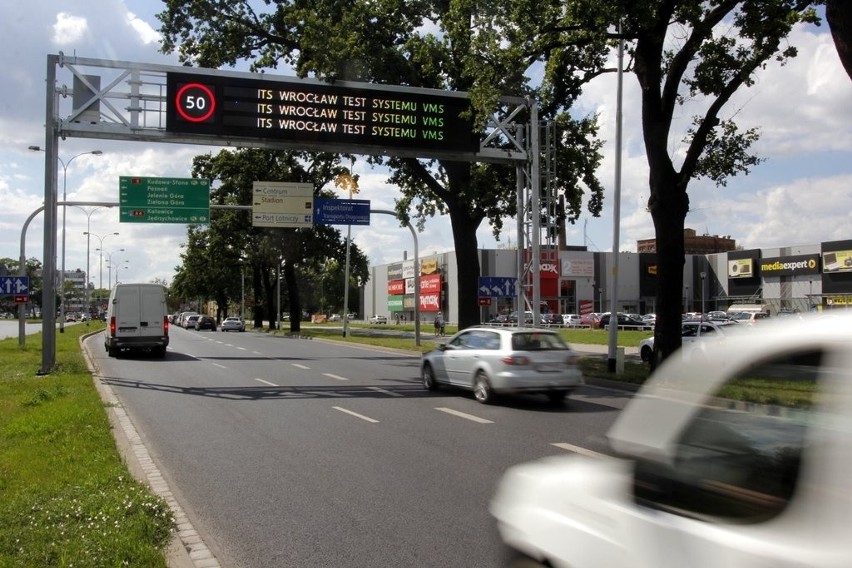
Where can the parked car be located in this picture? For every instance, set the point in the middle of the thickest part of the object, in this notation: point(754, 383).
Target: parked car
point(699, 480)
point(181, 320)
point(491, 361)
point(591, 320)
point(378, 319)
point(205, 322)
point(528, 317)
point(749, 318)
point(625, 321)
point(571, 320)
point(335, 317)
point(500, 319)
point(233, 323)
point(189, 321)
point(692, 336)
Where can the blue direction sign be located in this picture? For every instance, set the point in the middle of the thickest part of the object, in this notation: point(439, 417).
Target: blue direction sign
point(329, 211)
point(14, 285)
point(497, 286)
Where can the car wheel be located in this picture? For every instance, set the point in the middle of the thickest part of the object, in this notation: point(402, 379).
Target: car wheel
point(429, 380)
point(112, 351)
point(647, 354)
point(482, 388)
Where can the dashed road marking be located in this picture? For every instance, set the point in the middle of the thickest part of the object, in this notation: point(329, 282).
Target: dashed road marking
point(300, 366)
point(266, 382)
point(356, 415)
point(465, 415)
point(384, 391)
point(336, 377)
point(220, 366)
point(578, 450)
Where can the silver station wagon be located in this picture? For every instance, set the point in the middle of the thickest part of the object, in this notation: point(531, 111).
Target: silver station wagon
point(492, 361)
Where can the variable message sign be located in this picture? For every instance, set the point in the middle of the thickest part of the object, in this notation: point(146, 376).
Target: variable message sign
point(163, 200)
point(303, 110)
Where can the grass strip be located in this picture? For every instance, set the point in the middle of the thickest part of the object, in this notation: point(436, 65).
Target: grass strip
point(66, 497)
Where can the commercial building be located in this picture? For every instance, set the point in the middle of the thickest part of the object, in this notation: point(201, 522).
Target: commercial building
point(795, 278)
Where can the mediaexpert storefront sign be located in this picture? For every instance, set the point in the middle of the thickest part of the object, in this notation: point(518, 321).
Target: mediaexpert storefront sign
point(790, 265)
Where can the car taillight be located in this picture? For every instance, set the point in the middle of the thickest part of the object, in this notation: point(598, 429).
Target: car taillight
point(112, 326)
point(166, 325)
point(516, 360)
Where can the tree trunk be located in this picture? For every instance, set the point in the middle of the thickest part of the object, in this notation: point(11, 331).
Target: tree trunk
point(668, 204)
point(293, 297)
point(464, 222)
point(257, 286)
point(838, 13)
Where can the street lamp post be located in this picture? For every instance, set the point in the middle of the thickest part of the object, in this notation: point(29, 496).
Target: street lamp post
point(124, 265)
point(100, 238)
point(109, 266)
point(65, 165)
point(703, 276)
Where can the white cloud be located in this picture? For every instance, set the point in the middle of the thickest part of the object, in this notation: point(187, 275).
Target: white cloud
point(69, 29)
point(147, 34)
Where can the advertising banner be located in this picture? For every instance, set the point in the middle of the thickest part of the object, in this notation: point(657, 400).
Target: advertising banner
point(837, 261)
point(741, 268)
point(790, 265)
point(396, 287)
point(430, 302)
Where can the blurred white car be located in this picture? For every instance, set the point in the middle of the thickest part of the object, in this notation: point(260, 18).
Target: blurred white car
point(378, 319)
point(703, 481)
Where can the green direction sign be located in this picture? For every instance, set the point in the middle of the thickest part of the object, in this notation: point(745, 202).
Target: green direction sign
point(163, 200)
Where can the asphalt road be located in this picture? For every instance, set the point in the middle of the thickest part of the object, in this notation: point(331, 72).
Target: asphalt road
point(291, 452)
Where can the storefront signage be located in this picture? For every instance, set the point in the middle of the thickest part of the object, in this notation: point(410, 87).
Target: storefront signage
point(837, 261)
point(790, 265)
point(741, 268)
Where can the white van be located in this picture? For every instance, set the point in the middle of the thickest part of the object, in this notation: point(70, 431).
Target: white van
point(137, 318)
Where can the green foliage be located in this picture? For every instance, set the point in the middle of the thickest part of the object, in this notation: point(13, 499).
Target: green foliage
point(452, 46)
point(66, 497)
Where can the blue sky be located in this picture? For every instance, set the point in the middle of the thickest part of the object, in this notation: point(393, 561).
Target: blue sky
point(801, 194)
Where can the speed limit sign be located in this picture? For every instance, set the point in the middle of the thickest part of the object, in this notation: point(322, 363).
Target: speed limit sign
point(195, 102)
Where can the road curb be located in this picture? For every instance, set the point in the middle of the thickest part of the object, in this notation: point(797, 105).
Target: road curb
point(186, 549)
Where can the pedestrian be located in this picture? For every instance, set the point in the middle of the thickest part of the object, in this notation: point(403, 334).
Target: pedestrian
point(437, 325)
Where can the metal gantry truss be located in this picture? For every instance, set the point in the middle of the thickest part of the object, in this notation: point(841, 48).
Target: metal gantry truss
point(122, 100)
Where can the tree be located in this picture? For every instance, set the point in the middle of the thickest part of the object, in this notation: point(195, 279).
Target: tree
point(420, 44)
point(688, 56)
point(838, 13)
point(217, 254)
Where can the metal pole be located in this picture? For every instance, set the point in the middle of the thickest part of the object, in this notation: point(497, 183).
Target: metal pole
point(62, 273)
point(51, 141)
point(416, 280)
point(616, 214)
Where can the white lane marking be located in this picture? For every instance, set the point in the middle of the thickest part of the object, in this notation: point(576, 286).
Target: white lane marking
point(356, 415)
point(229, 345)
point(383, 391)
point(578, 450)
point(257, 353)
point(337, 377)
point(266, 382)
point(300, 366)
point(465, 416)
point(329, 393)
point(220, 366)
point(241, 348)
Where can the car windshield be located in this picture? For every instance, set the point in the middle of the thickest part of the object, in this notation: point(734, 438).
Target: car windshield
point(537, 341)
